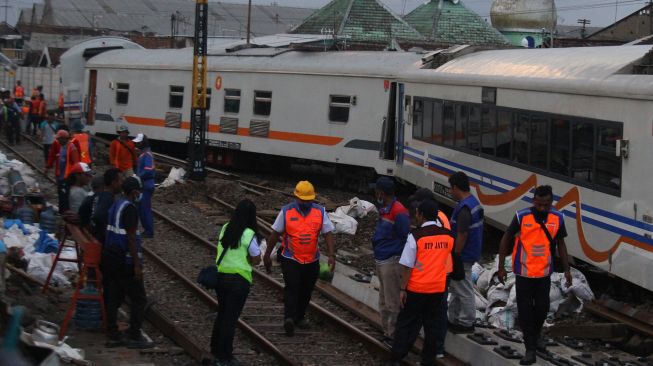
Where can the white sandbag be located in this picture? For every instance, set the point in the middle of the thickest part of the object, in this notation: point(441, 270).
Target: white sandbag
point(485, 280)
point(344, 224)
point(480, 302)
point(176, 176)
point(498, 294)
point(579, 286)
point(14, 238)
point(502, 318)
point(477, 270)
point(39, 267)
point(357, 208)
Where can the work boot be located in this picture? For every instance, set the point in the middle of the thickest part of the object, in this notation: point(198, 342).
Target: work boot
point(139, 342)
point(459, 328)
point(541, 345)
point(529, 358)
point(289, 327)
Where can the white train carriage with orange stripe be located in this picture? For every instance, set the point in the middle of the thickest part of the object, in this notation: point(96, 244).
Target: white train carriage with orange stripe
point(578, 119)
point(322, 107)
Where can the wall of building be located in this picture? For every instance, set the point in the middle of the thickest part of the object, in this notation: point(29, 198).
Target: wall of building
point(39, 40)
point(33, 76)
point(632, 28)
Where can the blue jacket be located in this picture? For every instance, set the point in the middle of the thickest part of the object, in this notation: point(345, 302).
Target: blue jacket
point(145, 169)
point(472, 251)
point(391, 231)
point(117, 234)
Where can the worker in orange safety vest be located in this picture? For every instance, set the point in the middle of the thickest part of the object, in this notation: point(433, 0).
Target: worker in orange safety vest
point(298, 225)
point(424, 261)
point(83, 141)
point(537, 234)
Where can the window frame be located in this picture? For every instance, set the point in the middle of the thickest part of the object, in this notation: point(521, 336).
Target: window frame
point(258, 99)
point(172, 93)
point(515, 113)
point(333, 104)
point(232, 97)
point(120, 90)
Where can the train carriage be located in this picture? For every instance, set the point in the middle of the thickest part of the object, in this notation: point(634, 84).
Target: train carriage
point(579, 120)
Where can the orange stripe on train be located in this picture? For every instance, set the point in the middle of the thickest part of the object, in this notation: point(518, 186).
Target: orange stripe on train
point(273, 135)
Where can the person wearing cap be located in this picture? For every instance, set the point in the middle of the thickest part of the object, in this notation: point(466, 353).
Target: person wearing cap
point(83, 141)
point(80, 176)
point(388, 241)
point(122, 152)
point(48, 130)
point(63, 156)
point(423, 283)
point(467, 227)
point(86, 208)
point(122, 267)
point(299, 225)
point(145, 171)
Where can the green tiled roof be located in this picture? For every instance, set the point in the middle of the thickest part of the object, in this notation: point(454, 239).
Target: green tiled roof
point(362, 20)
point(454, 24)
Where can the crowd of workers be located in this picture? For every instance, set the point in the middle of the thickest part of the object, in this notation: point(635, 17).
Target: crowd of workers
point(422, 256)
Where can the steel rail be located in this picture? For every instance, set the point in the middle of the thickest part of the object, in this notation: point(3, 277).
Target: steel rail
point(628, 321)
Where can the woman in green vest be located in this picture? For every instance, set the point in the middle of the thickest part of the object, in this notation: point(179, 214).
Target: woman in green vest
point(238, 250)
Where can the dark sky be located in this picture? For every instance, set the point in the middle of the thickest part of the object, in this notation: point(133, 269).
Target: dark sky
point(599, 12)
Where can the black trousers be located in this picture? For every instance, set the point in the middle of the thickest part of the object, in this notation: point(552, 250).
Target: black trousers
point(119, 282)
point(232, 293)
point(13, 131)
point(532, 307)
point(299, 282)
point(62, 193)
point(421, 310)
point(46, 151)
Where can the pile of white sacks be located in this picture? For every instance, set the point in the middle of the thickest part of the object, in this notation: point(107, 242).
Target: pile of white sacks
point(496, 303)
point(25, 171)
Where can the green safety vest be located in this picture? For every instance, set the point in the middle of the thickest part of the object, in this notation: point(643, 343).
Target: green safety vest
point(235, 260)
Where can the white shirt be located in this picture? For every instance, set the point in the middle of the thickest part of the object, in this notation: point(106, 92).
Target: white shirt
point(254, 249)
point(409, 255)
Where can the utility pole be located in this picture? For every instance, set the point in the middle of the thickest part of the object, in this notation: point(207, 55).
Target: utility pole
point(6, 8)
point(583, 22)
point(249, 20)
point(198, 122)
point(553, 21)
point(650, 17)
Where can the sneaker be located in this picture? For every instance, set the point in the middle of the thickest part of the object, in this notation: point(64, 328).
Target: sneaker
point(529, 358)
point(303, 324)
point(439, 355)
point(459, 328)
point(139, 342)
point(289, 327)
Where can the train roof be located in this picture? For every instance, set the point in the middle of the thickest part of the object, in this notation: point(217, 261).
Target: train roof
point(602, 71)
point(280, 60)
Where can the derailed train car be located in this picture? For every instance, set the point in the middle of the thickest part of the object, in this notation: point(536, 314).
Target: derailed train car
point(577, 119)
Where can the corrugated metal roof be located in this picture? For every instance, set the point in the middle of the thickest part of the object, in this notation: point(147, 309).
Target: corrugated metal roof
point(364, 63)
point(361, 20)
point(453, 23)
point(155, 16)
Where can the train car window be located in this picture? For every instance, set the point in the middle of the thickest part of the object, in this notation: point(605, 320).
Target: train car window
point(560, 144)
point(488, 130)
point(474, 128)
point(122, 93)
point(176, 99)
point(449, 124)
point(436, 134)
point(582, 151)
point(539, 141)
point(462, 113)
point(339, 108)
point(418, 108)
point(521, 135)
point(427, 127)
point(608, 164)
point(262, 103)
point(232, 101)
point(504, 133)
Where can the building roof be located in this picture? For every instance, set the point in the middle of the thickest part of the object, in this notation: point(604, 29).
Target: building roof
point(360, 21)
point(453, 23)
point(606, 31)
point(154, 16)
point(8, 30)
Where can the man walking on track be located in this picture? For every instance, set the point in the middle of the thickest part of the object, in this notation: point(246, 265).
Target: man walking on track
point(424, 260)
point(122, 152)
point(299, 224)
point(63, 156)
point(538, 233)
point(145, 171)
point(83, 141)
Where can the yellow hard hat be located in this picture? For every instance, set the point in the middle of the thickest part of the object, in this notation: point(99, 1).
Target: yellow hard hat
point(304, 191)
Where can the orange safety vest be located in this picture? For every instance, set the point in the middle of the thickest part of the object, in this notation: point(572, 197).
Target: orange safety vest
point(447, 225)
point(60, 103)
point(301, 232)
point(36, 105)
point(82, 140)
point(434, 246)
point(531, 256)
point(72, 158)
point(43, 108)
point(19, 92)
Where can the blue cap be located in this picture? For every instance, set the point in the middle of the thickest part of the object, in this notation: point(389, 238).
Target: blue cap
point(385, 184)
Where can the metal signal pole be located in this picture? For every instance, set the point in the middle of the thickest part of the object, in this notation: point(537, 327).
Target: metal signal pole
point(198, 123)
point(249, 20)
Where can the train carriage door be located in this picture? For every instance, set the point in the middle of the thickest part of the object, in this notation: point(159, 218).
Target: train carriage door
point(91, 97)
point(388, 136)
point(399, 107)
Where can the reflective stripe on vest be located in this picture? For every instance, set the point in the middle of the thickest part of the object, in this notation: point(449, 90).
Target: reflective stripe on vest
point(116, 232)
point(235, 260)
point(434, 246)
point(84, 151)
point(531, 255)
point(301, 233)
